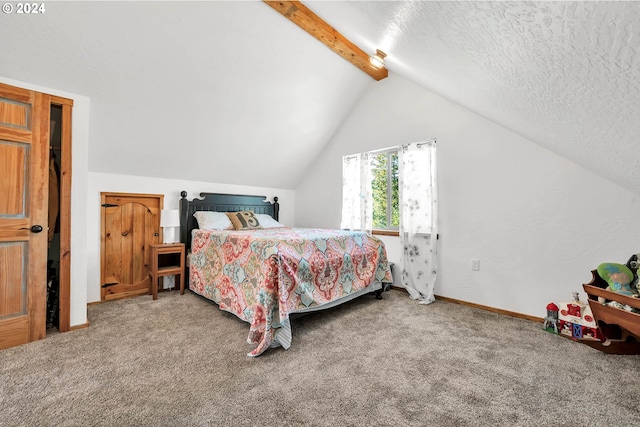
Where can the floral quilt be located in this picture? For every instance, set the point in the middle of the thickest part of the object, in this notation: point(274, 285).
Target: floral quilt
point(262, 276)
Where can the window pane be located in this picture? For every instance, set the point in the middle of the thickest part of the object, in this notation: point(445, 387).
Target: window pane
point(379, 190)
point(395, 198)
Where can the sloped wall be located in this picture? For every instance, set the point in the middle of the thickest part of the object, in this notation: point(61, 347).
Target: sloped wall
point(537, 222)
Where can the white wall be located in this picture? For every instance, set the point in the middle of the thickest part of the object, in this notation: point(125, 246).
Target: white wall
point(79, 159)
point(103, 182)
point(537, 222)
point(85, 202)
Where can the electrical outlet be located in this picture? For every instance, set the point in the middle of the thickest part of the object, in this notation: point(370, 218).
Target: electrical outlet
point(475, 264)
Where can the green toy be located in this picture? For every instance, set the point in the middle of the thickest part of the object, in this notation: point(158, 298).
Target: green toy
point(617, 276)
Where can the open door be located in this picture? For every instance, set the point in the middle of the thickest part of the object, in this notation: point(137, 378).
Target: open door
point(24, 156)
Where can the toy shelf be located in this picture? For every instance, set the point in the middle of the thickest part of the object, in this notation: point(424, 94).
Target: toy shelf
point(621, 328)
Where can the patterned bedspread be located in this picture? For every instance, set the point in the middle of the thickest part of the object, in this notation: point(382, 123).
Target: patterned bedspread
point(262, 276)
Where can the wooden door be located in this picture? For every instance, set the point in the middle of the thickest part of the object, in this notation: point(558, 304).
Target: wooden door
point(130, 223)
point(24, 157)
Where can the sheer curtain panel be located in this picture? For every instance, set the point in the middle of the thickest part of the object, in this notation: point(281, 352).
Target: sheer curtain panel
point(418, 218)
point(356, 192)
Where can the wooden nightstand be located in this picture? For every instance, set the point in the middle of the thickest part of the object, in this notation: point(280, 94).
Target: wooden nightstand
point(166, 259)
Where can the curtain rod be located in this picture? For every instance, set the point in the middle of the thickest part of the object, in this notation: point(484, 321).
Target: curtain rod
point(430, 141)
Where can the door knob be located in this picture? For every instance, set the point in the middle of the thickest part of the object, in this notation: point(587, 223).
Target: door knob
point(34, 229)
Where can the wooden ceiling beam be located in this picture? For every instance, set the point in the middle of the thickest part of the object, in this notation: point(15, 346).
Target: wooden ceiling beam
point(306, 19)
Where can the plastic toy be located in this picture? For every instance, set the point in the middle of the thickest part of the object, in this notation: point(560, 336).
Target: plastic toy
point(576, 321)
point(551, 321)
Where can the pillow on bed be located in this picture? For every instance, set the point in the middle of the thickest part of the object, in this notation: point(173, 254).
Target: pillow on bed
point(266, 221)
point(213, 220)
point(245, 220)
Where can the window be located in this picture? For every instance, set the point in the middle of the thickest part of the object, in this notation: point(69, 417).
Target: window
point(384, 190)
point(394, 192)
point(370, 196)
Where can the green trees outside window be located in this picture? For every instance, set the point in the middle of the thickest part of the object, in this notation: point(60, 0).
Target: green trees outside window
point(386, 209)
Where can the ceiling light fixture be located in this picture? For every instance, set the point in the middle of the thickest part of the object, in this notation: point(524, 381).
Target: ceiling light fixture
point(377, 60)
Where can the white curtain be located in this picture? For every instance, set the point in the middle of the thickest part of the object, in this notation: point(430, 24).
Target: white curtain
point(357, 211)
point(418, 218)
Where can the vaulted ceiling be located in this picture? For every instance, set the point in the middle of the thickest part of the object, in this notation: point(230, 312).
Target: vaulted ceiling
point(233, 92)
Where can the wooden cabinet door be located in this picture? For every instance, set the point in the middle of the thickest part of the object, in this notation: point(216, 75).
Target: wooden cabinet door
point(24, 156)
point(130, 223)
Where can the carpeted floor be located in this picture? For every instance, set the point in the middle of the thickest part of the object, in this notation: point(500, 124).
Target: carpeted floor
point(179, 361)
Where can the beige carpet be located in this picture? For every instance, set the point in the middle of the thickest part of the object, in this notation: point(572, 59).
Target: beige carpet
point(179, 361)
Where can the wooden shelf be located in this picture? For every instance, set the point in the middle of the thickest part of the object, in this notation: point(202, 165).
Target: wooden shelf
point(172, 269)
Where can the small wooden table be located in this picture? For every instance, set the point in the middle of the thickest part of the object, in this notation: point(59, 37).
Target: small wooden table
point(166, 259)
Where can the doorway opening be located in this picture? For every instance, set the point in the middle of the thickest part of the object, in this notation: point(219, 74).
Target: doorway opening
point(59, 218)
point(53, 237)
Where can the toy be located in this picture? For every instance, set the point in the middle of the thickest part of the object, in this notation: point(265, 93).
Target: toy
point(576, 321)
point(618, 277)
point(551, 321)
point(633, 264)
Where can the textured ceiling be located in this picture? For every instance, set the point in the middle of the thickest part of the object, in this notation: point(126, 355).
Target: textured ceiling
point(564, 74)
point(257, 98)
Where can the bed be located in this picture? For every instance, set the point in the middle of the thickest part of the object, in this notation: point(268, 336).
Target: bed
point(267, 272)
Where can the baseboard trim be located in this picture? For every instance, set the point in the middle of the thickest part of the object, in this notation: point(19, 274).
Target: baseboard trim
point(483, 307)
point(80, 326)
point(492, 309)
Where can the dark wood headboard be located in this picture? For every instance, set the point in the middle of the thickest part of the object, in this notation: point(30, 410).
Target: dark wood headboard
point(218, 202)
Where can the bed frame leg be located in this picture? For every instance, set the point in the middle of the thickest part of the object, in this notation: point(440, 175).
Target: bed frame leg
point(379, 293)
